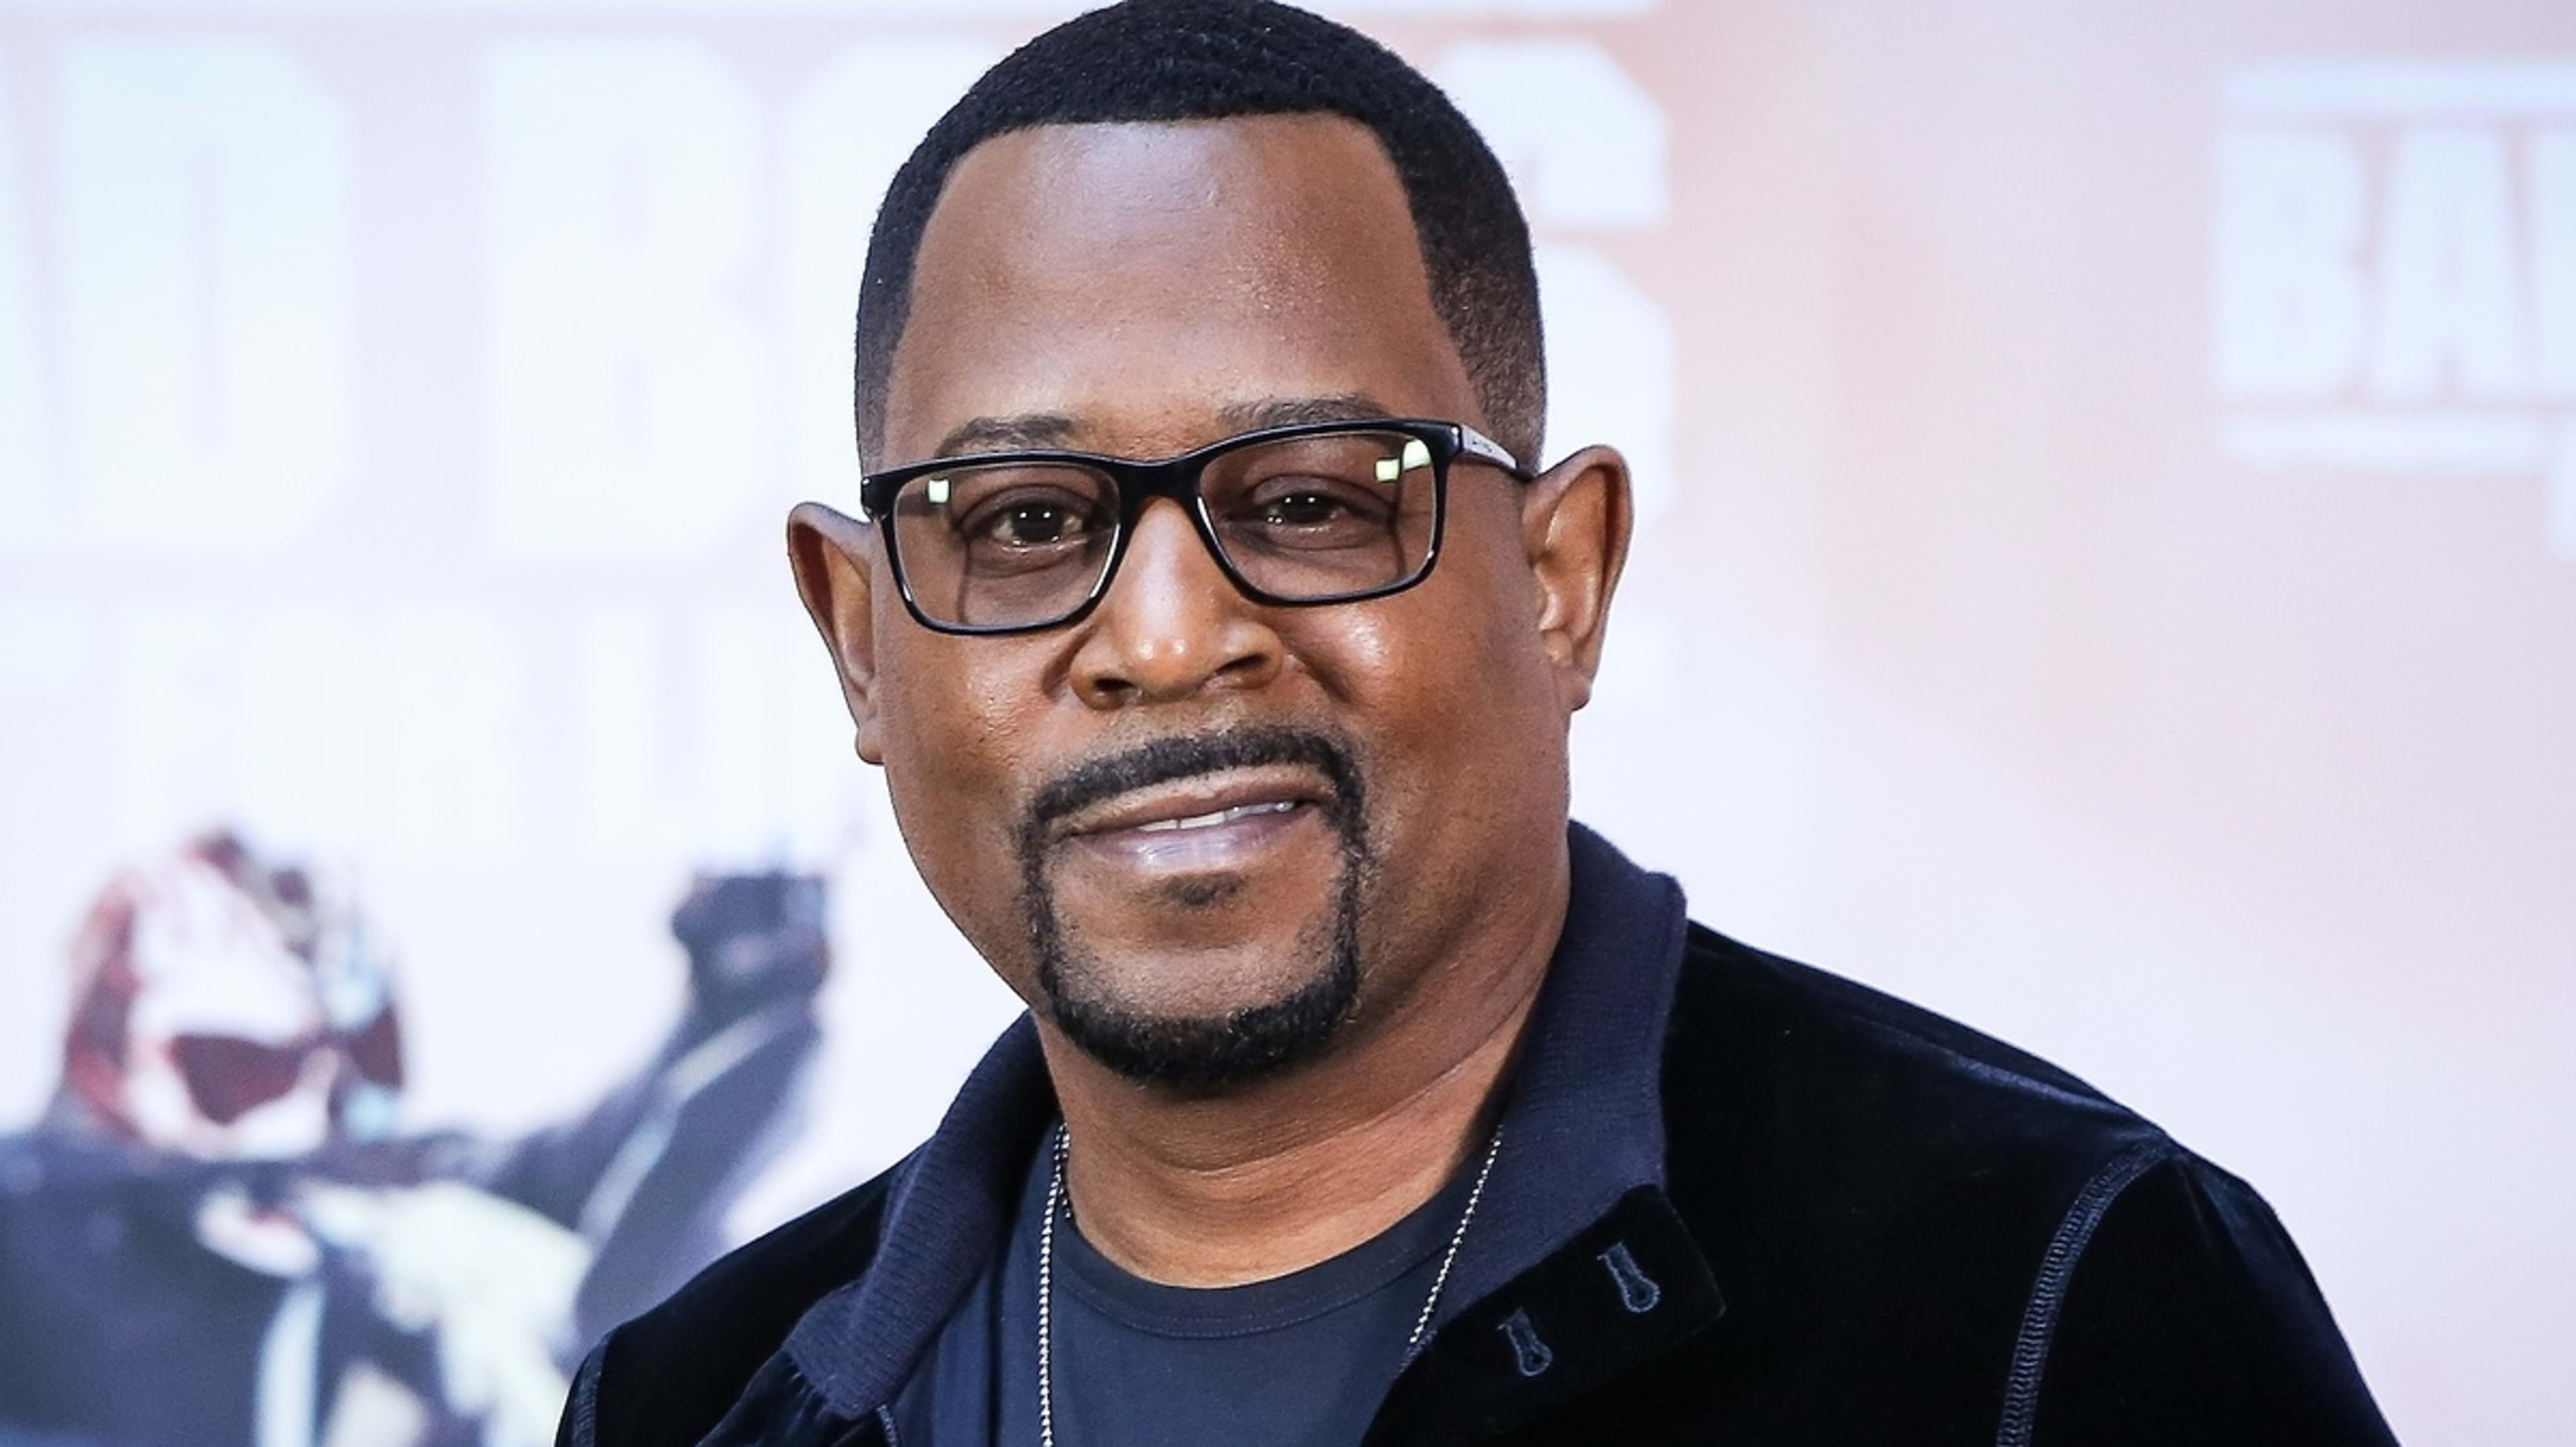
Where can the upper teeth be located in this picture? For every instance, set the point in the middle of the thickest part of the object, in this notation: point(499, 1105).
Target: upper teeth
point(1221, 816)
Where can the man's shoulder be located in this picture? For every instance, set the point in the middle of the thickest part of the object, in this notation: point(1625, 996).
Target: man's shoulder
point(670, 1374)
point(1811, 1119)
point(1748, 1020)
point(1893, 1199)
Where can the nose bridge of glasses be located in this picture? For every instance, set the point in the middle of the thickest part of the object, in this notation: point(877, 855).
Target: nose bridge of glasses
point(1173, 480)
point(1170, 618)
point(1165, 527)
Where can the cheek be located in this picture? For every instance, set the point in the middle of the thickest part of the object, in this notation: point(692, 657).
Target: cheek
point(1446, 685)
point(1424, 680)
point(957, 733)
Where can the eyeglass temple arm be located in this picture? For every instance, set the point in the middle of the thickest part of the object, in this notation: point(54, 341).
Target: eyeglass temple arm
point(1477, 445)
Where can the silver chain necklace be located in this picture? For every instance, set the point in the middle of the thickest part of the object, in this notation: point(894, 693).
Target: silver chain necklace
point(1046, 1276)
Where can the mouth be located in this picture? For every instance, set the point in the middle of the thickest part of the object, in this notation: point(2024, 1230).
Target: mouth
point(1207, 821)
point(1215, 817)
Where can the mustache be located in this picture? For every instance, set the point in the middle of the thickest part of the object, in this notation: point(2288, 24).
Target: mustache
point(1161, 761)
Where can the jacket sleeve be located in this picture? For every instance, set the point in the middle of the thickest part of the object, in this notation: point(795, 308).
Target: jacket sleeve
point(2187, 1316)
point(668, 1377)
point(580, 1424)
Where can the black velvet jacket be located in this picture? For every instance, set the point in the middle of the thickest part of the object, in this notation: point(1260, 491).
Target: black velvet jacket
point(1815, 1215)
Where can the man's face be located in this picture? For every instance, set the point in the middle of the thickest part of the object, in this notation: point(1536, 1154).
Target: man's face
point(1204, 837)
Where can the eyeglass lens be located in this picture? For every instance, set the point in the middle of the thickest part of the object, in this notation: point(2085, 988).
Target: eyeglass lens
point(1301, 519)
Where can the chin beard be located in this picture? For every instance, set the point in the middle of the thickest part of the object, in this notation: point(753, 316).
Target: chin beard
point(1201, 1054)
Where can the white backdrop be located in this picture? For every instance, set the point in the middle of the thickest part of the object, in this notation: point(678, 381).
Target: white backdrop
point(2108, 560)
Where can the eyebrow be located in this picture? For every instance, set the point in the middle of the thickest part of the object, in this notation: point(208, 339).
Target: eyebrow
point(1028, 430)
point(1006, 434)
point(1289, 411)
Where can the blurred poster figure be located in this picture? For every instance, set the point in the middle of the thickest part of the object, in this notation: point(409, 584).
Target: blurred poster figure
point(213, 1236)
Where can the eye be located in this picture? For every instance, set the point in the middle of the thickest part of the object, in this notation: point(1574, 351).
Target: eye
point(1028, 519)
point(1310, 506)
point(1309, 511)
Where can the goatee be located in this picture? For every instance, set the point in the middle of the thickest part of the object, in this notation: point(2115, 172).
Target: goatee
point(1207, 1054)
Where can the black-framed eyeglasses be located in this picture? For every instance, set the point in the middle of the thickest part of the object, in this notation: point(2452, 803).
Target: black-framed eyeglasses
point(1315, 512)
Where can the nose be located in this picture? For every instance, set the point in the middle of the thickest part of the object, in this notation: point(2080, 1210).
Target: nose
point(1173, 625)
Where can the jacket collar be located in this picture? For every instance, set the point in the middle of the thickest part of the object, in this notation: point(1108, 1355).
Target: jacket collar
point(1584, 1123)
point(1583, 1131)
point(947, 1211)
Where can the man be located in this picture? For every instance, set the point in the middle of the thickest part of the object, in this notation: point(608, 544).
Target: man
point(215, 1236)
point(1218, 634)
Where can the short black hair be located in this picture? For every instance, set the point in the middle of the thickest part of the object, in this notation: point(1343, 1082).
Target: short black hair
point(1173, 60)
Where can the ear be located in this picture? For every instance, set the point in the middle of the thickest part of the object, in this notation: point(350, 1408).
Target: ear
point(834, 557)
point(1575, 521)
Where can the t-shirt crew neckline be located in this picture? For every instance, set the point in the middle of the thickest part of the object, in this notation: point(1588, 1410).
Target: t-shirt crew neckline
point(1206, 1313)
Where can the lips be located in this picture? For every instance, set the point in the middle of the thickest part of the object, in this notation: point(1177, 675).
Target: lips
point(1226, 806)
point(1201, 801)
point(1211, 821)
point(1216, 817)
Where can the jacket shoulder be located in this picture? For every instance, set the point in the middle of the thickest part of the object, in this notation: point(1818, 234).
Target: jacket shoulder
point(1872, 1064)
point(668, 1376)
point(2183, 1313)
point(1764, 990)
point(1875, 1187)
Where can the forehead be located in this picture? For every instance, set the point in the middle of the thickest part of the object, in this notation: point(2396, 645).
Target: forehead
point(1142, 281)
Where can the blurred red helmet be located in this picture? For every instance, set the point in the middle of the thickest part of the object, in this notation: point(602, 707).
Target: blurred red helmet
point(227, 1008)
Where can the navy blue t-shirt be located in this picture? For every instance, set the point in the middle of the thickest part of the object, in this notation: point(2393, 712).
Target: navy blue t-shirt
point(1300, 1360)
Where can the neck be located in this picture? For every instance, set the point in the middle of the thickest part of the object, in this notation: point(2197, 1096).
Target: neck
point(1255, 1184)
